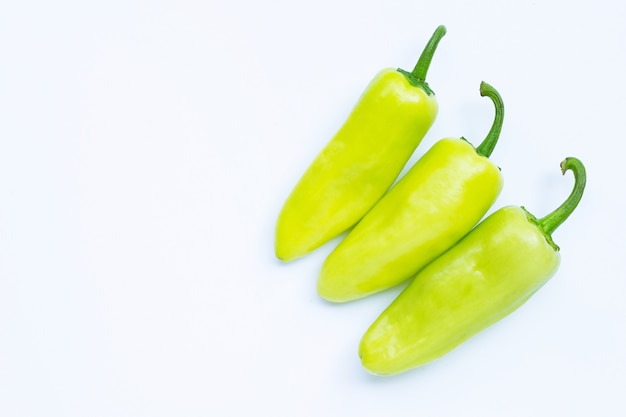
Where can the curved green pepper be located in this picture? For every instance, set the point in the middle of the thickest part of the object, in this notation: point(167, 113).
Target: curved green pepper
point(485, 277)
point(362, 160)
point(431, 208)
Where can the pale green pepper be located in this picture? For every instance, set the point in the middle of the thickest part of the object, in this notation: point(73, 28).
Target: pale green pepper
point(486, 276)
point(362, 160)
point(431, 208)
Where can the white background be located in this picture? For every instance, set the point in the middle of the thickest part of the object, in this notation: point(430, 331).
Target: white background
point(146, 148)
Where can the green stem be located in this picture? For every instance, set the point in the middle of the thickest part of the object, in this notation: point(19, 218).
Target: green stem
point(417, 77)
point(553, 220)
point(423, 63)
point(489, 143)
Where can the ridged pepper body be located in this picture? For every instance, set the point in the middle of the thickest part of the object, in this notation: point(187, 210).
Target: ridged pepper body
point(482, 279)
point(357, 166)
point(431, 208)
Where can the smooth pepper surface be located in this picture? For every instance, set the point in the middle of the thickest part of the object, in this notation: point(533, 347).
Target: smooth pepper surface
point(438, 201)
point(479, 281)
point(361, 161)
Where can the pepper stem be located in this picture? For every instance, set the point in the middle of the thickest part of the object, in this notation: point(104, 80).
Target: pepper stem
point(423, 63)
point(489, 143)
point(553, 220)
point(417, 77)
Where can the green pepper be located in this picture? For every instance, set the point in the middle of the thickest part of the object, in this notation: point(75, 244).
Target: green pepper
point(482, 279)
point(362, 160)
point(438, 201)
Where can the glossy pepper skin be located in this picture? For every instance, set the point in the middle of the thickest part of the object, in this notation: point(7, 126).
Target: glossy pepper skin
point(486, 276)
point(438, 201)
point(361, 161)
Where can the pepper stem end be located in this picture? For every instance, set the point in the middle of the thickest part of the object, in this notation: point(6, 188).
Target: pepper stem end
point(423, 63)
point(417, 77)
point(552, 221)
point(489, 143)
